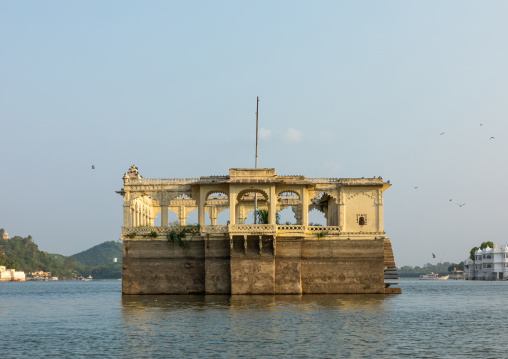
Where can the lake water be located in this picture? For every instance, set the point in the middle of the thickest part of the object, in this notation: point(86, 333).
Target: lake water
point(431, 319)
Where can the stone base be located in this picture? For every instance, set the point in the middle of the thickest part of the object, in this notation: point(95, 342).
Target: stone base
point(288, 266)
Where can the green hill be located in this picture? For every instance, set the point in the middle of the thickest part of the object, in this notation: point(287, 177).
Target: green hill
point(101, 254)
point(23, 254)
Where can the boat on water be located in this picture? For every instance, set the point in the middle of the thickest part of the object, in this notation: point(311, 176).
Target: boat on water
point(433, 276)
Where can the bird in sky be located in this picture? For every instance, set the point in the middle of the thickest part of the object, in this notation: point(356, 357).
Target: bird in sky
point(460, 205)
point(492, 138)
point(450, 199)
point(93, 167)
point(416, 187)
point(442, 133)
point(433, 255)
point(481, 124)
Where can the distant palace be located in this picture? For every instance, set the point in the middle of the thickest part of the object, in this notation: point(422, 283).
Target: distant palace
point(488, 264)
point(350, 254)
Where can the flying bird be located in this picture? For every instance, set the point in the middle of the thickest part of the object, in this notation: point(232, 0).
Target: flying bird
point(481, 124)
point(460, 205)
point(433, 255)
point(416, 187)
point(93, 167)
point(442, 133)
point(492, 138)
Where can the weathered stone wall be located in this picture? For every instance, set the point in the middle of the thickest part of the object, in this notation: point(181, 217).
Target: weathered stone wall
point(161, 267)
point(342, 266)
point(217, 268)
point(296, 266)
point(252, 266)
point(288, 266)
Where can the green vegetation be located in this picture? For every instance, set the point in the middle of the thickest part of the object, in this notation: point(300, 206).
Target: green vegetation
point(321, 234)
point(178, 234)
point(152, 234)
point(262, 216)
point(100, 254)
point(482, 246)
point(23, 254)
point(442, 268)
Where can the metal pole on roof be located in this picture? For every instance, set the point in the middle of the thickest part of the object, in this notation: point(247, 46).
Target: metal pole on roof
point(256, 163)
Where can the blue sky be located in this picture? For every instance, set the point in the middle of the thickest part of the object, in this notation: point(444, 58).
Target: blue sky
point(347, 89)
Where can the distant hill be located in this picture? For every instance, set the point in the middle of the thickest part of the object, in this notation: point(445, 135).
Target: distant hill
point(101, 254)
point(23, 254)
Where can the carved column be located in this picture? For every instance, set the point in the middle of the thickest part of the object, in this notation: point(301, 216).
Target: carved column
point(273, 206)
point(164, 215)
point(201, 208)
point(240, 214)
point(305, 206)
point(213, 215)
point(232, 206)
point(183, 216)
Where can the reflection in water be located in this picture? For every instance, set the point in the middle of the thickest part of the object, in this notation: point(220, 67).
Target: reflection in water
point(74, 319)
point(323, 325)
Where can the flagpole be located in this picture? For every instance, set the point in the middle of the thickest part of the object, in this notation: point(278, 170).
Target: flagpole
point(256, 163)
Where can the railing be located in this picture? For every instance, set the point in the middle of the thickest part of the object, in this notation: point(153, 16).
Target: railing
point(214, 229)
point(268, 229)
point(254, 229)
point(323, 229)
point(143, 231)
point(292, 229)
point(149, 181)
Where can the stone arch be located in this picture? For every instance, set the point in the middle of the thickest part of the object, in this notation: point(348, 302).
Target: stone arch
point(244, 207)
point(216, 201)
point(282, 191)
point(289, 206)
point(249, 190)
point(209, 193)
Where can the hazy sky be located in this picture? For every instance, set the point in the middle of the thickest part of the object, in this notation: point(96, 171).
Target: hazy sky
point(347, 89)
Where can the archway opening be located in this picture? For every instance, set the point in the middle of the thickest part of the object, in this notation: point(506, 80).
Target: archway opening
point(287, 216)
point(316, 218)
point(157, 220)
point(248, 200)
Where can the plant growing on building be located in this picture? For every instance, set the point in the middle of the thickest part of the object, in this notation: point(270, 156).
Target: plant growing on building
point(487, 244)
point(152, 234)
point(178, 234)
point(482, 246)
point(131, 235)
point(321, 234)
point(263, 217)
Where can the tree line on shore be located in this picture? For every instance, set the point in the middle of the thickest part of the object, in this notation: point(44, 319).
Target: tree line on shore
point(23, 254)
point(441, 268)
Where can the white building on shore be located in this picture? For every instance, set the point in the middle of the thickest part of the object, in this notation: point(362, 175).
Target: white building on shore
point(7, 275)
point(489, 264)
